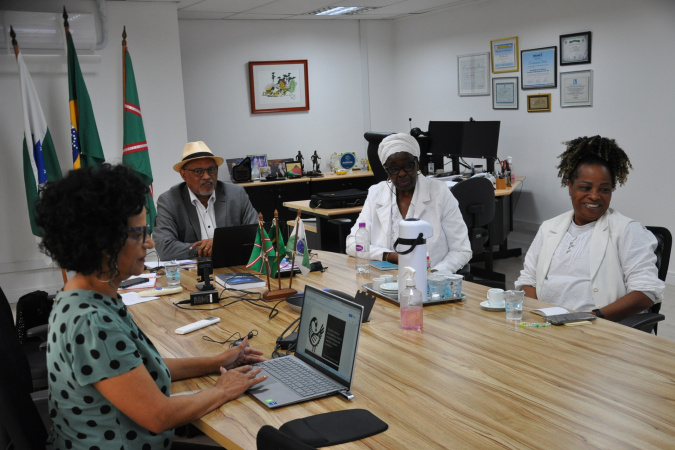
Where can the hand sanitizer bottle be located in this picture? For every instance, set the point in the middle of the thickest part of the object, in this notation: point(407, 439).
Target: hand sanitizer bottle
point(411, 303)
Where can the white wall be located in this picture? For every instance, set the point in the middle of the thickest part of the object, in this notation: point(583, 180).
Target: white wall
point(215, 69)
point(152, 31)
point(632, 98)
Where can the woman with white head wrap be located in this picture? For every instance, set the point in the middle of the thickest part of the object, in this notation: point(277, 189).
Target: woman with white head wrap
point(406, 195)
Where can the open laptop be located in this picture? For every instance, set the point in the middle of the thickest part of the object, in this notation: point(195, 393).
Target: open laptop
point(232, 246)
point(328, 337)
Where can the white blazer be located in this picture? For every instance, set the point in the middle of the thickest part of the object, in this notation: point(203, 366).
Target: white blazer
point(449, 248)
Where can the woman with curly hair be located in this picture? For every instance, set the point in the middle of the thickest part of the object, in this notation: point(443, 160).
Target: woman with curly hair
point(108, 385)
point(593, 258)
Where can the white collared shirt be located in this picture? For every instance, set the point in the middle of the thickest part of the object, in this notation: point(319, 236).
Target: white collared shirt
point(207, 215)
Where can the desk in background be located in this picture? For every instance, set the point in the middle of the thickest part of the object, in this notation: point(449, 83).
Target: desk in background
point(469, 379)
point(266, 196)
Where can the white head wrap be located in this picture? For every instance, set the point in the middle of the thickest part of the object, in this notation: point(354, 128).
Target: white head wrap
point(400, 142)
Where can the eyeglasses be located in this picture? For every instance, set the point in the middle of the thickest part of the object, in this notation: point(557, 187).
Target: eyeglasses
point(144, 230)
point(199, 172)
point(395, 170)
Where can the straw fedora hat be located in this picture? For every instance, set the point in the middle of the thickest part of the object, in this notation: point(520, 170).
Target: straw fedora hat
point(196, 150)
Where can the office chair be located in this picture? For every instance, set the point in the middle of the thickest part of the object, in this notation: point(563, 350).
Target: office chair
point(648, 321)
point(374, 138)
point(269, 438)
point(21, 423)
point(476, 198)
point(344, 225)
point(32, 315)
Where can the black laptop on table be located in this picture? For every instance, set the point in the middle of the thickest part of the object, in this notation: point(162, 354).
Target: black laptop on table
point(232, 246)
point(323, 364)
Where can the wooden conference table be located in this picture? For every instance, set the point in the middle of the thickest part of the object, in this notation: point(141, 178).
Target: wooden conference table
point(468, 380)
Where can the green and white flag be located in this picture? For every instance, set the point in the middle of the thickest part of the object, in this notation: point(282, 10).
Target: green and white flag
point(281, 250)
point(300, 246)
point(40, 163)
point(135, 151)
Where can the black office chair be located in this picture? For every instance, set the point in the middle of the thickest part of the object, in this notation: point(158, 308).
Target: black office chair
point(269, 438)
point(374, 139)
point(344, 225)
point(648, 321)
point(22, 425)
point(476, 198)
point(32, 315)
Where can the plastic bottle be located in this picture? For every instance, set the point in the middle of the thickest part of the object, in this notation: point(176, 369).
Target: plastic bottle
point(411, 303)
point(510, 161)
point(362, 239)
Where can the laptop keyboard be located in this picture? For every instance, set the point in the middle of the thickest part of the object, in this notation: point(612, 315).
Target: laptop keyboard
point(301, 379)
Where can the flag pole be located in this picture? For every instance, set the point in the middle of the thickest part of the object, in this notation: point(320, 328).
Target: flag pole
point(124, 69)
point(263, 254)
point(295, 248)
point(276, 225)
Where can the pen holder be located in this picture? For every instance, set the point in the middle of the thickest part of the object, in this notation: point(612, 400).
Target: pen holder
point(500, 183)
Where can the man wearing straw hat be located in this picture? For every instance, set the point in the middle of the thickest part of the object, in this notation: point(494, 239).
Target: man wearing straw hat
point(189, 212)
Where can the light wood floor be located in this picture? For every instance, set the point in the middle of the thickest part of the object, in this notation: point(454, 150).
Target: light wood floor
point(511, 268)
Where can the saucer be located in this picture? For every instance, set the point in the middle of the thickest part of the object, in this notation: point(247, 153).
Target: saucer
point(486, 306)
point(391, 287)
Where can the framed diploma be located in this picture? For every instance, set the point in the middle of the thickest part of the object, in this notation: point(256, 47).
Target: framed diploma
point(539, 103)
point(504, 55)
point(505, 93)
point(575, 48)
point(539, 68)
point(576, 88)
point(473, 74)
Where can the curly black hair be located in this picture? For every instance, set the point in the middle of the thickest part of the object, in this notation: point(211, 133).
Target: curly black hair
point(593, 150)
point(85, 216)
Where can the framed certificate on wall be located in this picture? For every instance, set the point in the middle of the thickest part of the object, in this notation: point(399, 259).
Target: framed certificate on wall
point(539, 68)
point(575, 48)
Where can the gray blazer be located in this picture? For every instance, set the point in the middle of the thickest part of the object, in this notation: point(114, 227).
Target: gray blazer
point(177, 222)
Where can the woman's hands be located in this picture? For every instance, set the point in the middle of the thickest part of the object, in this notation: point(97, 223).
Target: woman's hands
point(235, 382)
point(240, 355)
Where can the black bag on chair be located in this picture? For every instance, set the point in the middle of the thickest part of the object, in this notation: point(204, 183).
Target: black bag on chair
point(338, 199)
point(32, 310)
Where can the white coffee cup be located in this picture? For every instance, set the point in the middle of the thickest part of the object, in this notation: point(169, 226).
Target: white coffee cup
point(377, 282)
point(388, 278)
point(495, 297)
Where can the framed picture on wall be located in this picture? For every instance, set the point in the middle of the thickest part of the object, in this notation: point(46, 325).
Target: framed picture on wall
point(539, 103)
point(575, 48)
point(539, 68)
point(576, 88)
point(504, 55)
point(505, 93)
point(473, 74)
point(278, 86)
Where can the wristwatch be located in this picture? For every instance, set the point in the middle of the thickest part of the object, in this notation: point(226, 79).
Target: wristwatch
point(598, 313)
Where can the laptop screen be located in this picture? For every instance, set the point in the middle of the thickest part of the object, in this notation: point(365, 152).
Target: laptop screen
point(232, 246)
point(329, 333)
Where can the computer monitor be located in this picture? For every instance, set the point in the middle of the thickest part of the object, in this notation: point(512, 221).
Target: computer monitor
point(481, 140)
point(445, 139)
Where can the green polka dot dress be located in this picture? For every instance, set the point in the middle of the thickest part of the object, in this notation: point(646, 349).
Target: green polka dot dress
point(92, 337)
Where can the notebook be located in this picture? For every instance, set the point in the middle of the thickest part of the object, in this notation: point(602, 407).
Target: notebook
point(232, 246)
point(323, 364)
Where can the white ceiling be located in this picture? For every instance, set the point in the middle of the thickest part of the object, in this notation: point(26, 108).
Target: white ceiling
point(298, 9)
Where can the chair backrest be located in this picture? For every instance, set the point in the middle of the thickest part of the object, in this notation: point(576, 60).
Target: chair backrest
point(664, 243)
point(20, 422)
point(476, 198)
point(374, 139)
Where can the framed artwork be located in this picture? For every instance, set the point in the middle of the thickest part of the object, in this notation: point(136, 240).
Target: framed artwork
point(293, 169)
point(575, 48)
point(278, 166)
point(539, 103)
point(504, 55)
point(278, 86)
point(539, 68)
point(230, 165)
point(505, 93)
point(473, 74)
point(258, 162)
point(576, 88)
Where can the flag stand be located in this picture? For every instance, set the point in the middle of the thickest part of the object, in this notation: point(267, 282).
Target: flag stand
point(280, 293)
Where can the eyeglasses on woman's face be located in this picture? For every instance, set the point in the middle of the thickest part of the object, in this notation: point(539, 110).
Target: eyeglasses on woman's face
point(139, 234)
point(407, 167)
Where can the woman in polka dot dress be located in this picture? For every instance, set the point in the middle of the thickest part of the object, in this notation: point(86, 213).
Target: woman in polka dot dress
point(108, 385)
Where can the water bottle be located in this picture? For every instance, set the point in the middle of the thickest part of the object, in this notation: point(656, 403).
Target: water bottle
point(362, 239)
point(411, 303)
